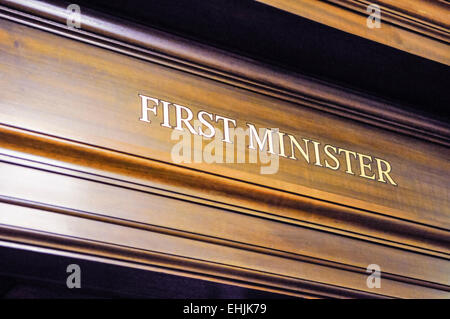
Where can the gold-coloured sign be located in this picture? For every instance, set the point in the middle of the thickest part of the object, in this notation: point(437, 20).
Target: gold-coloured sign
point(272, 140)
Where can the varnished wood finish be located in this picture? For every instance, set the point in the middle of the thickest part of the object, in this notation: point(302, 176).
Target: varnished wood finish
point(81, 173)
point(419, 27)
point(175, 52)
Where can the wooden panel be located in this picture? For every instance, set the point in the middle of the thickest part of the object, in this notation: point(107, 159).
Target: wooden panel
point(124, 204)
point(179, 53)
point(82, 174)
point(418, 27)
point(92, 97)
point(108, 233)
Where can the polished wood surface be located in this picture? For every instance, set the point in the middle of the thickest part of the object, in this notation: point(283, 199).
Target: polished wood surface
point(81, 173)
point(419, 27)
point(179, 53)
point(93, 98)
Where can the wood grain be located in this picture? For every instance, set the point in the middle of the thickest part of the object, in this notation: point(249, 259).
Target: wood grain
point(92, 97)
point(418, 27)
point(81, 174)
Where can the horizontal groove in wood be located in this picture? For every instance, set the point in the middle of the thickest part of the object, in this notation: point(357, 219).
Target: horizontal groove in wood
point(336, 253)
point(417, 27)
point(113, 123)
point(128, 257)
point(237, 194)
point(131, 184)
point(121, 36)
point(424, 17)
point(125, 206)
point(250, 199)
point(424, 175)
point(435, 12)
point(51, 223)
point(106, 178)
